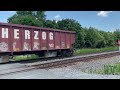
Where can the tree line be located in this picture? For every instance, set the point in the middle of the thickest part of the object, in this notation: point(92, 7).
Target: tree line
point(85, 37)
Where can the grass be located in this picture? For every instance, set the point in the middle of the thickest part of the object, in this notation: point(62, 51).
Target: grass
point(77, 52)
point(25, 57)
point(110, 69)
point(89, 50)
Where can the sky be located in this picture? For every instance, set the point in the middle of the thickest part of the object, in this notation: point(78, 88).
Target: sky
point(102, 20)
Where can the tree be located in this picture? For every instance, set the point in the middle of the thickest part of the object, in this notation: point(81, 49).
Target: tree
point(40, 15)
point(81, 38)
point(116, 35)
point(109, 38)
point(85, 37)
point(24, 12)
point(93, 38)
point(50, 24)
point(33, 18)
point(69, 24)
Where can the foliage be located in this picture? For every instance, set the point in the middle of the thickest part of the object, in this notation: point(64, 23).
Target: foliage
point(96, 50)
point(32, 18)
point(109, 69)
point(85, 37)
point(69, 24)
point(25, 57)
point(117, 35)
point(50, 24)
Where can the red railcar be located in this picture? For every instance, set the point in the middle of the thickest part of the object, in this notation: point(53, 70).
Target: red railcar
point(22, 39)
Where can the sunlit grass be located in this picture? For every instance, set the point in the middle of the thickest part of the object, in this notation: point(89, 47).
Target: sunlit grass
point(77, 52)
point(96, 50)
point(25, 57)
point(110, 69)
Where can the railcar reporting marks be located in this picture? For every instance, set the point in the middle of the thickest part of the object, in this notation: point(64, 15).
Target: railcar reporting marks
point(27, 34)
point(4, 32)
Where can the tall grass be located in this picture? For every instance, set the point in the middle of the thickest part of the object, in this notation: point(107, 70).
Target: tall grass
point(96, 50)
point(107, 69)
point(25, 57)
point(77, 52)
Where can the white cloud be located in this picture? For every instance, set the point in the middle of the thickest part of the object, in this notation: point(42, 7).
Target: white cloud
point(103, 13)
point(57, 16)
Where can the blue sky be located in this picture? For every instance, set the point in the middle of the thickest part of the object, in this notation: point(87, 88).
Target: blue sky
point(103, 20)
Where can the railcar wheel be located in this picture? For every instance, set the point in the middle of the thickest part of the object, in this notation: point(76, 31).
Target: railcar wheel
point(63, 53)
point(69, 53)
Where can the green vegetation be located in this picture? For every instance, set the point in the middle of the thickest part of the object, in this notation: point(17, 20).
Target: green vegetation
point(77, 52)
point(25, 57)
point(32, 18)
point(107, 69)
point(92, 39)
point(85, 37)
point(96, 50)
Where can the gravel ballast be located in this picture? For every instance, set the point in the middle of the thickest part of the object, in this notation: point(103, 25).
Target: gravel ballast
point(69, 72)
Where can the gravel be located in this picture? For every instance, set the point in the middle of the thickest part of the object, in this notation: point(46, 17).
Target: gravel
point(69, 72)
point(68, 58)
point(97, 63)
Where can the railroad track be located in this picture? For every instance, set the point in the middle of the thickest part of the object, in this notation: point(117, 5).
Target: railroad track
point(57, 63)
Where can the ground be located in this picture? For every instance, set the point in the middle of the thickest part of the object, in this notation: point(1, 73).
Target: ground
point(69, 72)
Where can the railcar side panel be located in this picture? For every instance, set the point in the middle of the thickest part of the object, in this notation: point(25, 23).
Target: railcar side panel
point(43, 37)
point(62, 36)
point(5, 41)
point(57, 40)
point(35, 39)
point(50, 39)
point(68, 40)
point(16, 39)
point(72, 38)
point(26, 39)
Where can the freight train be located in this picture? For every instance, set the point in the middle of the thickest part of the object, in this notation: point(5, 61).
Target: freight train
point(18, 39)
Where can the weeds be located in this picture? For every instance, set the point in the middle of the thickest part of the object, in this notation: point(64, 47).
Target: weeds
point(25, 57)
point(96, 50)
point(107, 69)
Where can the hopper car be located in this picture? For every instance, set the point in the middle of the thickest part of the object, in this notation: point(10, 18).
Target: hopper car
point(16, 39)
